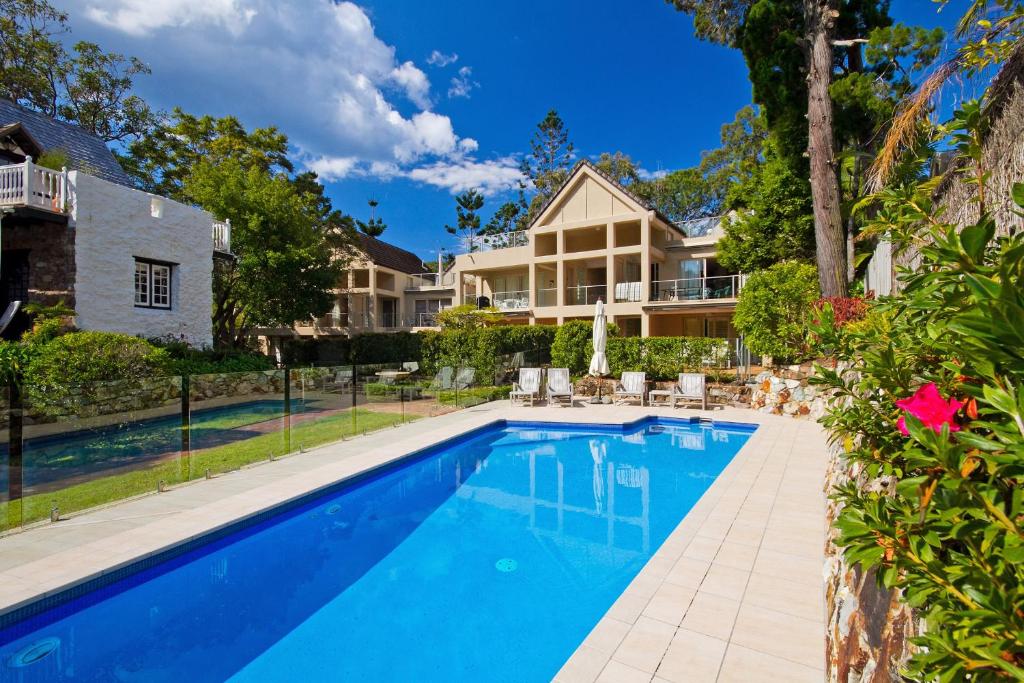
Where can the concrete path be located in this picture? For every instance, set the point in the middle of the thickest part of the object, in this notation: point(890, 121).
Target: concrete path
point(734, 594)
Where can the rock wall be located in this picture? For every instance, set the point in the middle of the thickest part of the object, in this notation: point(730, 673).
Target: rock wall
point(868, 629)
point(787, 394)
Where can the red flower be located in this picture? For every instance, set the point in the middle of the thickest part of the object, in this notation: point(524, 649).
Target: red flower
point(928, 406)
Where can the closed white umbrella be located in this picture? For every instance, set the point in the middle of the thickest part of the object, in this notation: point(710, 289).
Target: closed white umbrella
point(599, 361)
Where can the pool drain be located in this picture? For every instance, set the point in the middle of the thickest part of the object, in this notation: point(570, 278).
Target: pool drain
point(334, 509)
point(39, 650)
point(506, 565)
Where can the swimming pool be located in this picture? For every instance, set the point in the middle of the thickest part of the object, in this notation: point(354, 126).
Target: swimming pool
point(489, 557)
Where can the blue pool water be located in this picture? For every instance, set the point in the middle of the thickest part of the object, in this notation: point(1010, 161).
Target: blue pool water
point(488, 558)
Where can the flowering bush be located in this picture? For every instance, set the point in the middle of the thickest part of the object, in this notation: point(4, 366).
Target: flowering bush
point(846, 309)
point(930, 412)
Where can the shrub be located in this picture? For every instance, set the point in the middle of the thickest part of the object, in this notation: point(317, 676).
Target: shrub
point(573, 346)
point(485, 348)
point(773, 308)
point(186, 360)
point(71, 364)
point(664, 358)
point(845, 309)
point(385, 347)
point(938, 513)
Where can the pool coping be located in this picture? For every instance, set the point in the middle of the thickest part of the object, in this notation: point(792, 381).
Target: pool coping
point(58, 577)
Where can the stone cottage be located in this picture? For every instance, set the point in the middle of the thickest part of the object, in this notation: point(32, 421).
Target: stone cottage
point(124, 260)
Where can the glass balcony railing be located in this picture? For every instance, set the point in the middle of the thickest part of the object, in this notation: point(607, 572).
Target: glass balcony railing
point(585, 295)
point(697, 289)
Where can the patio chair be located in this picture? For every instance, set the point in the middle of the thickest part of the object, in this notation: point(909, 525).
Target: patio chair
point(691, 388)
point(559, 388)
point(412, 367)
point(527, 389)
point(443, 379)
point(631, 387)
point(464, 378)
point(342, 380)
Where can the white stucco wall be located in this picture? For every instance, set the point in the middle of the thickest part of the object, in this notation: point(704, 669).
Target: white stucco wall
point(113, 225)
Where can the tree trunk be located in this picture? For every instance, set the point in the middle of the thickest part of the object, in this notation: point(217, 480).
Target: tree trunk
point(820, 17)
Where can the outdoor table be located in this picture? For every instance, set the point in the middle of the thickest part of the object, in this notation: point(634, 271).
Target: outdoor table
point(666, 396)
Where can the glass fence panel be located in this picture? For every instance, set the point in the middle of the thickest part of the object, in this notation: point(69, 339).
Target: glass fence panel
point(93, 443)
point(383, 390)
point(10, 515)
point(322, 399)
point(235, 419)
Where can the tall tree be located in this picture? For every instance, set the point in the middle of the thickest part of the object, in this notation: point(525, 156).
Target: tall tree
point(286, 266)
point(829, 233)
point(508, 218)
point(467, 225)
point(85, 86)
point(548, 164)
point(374, 227)
point(160, 161)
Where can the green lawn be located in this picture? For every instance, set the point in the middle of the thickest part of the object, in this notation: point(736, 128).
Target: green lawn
point(217, 460)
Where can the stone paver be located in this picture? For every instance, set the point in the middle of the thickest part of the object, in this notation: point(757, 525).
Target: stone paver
point(734, 594)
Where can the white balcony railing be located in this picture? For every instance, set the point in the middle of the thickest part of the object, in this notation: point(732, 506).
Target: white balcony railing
point(423, 320)
point(506, 240)
point(422, 280)
point(585, 295)
point(38, 187)
point(547, 297)
point(222, 236)
point(697, 288)
point(511, 301)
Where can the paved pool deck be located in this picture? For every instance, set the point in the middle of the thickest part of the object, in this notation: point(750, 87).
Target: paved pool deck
point(734, 594)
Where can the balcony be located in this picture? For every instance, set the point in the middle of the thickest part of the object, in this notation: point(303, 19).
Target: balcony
point(547, 297)
point(697, 289)
point(587, 295)
point(506, 240)
point(423, 320)
point(511, 301)
point(431, 281)
point(36, 187)
point(222, 236)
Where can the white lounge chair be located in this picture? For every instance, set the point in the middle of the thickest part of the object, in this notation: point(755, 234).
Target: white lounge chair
point(443, 379)
point(691, 388)
point(559, 389)
point(342, 380)
point(631, 387)
point(465, 378)
point(527, 389)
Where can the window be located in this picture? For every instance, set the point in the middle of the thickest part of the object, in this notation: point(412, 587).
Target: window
point(152, 284)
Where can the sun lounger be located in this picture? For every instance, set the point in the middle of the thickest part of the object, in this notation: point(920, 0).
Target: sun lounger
point(527, 389)
point(631, 387)
point(559, 388)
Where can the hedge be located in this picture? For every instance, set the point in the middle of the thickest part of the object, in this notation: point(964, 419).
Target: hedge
point(485, 348)
point(666, 357)
point(371, 347)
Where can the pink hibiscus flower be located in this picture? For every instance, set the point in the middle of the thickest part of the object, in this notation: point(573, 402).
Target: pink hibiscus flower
point(928, 406)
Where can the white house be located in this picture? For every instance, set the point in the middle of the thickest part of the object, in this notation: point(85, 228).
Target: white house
point(125, 260)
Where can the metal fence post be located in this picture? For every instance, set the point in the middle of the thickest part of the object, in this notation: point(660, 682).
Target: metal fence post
point(355, 383)
point(186, 437)
point(287, 409)
point(15, 450)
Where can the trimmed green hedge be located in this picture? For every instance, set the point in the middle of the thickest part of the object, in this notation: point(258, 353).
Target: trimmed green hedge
point(185, 360)
point(371, 347)
point(485, 347)
point(666, 357)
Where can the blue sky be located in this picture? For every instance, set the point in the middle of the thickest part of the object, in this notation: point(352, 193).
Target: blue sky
point(411, 102)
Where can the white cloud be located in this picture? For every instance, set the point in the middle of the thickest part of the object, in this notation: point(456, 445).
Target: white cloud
point(463, 83)
point(332, 168)
point(140, 17)
point(315, 69)
point(489, 177)
point(438, 58)
point(414, 82)
point(651, 175)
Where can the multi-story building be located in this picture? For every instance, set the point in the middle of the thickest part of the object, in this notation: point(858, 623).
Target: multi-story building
point(595, 240)
point(385, 288)
point(124, 260)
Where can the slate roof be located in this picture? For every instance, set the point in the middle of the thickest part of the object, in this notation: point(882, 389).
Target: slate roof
point(390, 256)
point(621, 188)
point(86, 152)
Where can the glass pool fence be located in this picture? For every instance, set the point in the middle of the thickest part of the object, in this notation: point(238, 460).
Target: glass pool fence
point(67, 448)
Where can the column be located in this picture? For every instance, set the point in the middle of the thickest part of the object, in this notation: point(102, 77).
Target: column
point(610, 279)
point(645, 261)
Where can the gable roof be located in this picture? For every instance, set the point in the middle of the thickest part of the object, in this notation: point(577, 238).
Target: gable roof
point(647, 206)
point(390, 256)
point(86, 152)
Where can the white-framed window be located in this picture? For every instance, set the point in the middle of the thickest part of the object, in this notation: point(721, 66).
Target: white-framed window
point(152, 283)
